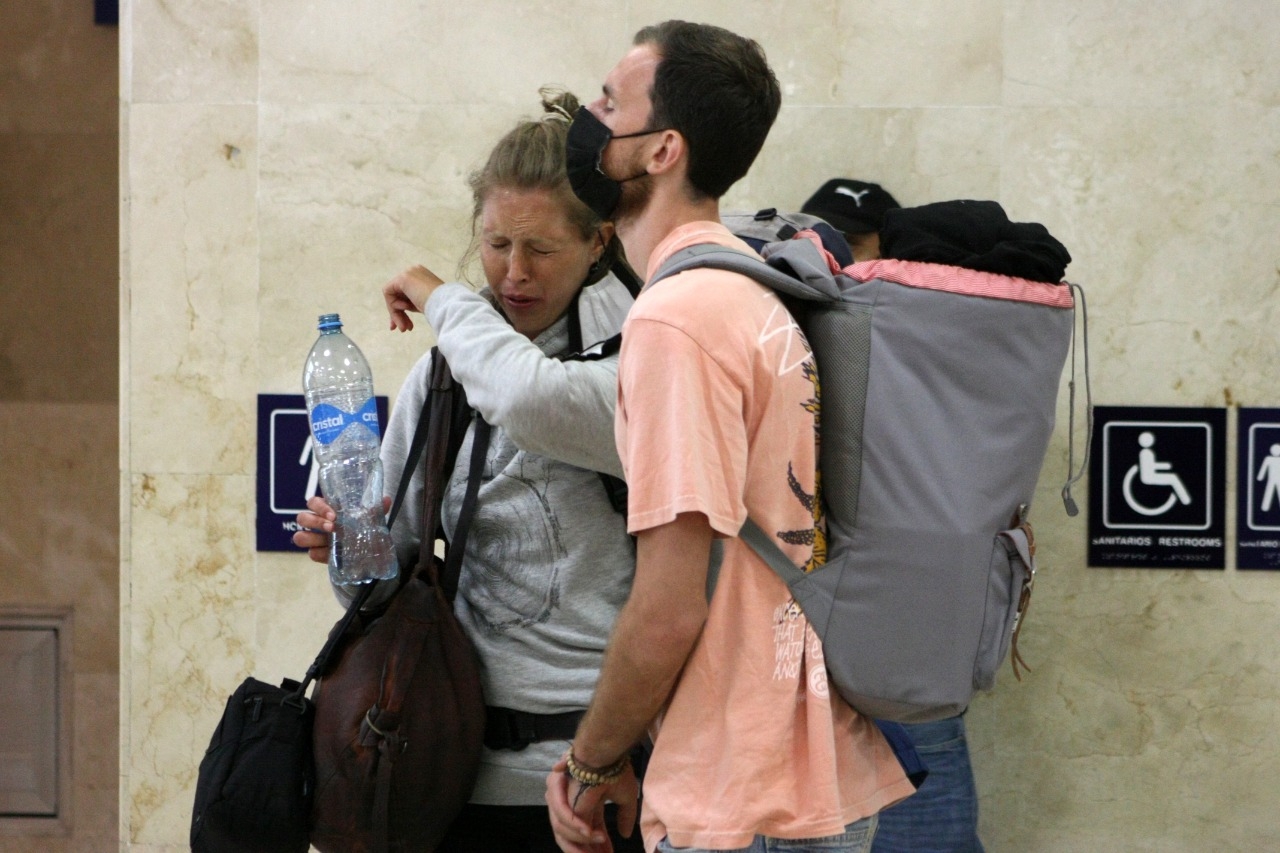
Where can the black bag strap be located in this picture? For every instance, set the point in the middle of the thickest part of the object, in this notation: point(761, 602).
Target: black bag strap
point(615, 489)
point(457, 547)
point(445, 426)
point(578, 351)
point(623, 272)
point(416, 444)
point(575, 325)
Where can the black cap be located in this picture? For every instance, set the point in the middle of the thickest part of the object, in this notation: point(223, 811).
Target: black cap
point(855, 207)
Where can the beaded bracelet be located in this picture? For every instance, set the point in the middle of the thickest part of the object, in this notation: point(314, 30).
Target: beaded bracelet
point(590, 777)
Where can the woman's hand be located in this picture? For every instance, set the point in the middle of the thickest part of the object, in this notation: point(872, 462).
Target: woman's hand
point(316, 523)
point(409, 291)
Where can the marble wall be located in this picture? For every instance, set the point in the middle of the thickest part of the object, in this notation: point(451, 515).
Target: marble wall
point(59, 367)
point(282, 159)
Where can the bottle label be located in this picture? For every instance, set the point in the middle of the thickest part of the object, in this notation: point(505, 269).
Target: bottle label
point(328, 422)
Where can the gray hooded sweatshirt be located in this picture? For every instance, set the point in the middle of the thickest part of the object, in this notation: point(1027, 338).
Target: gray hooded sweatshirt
point(548, 562)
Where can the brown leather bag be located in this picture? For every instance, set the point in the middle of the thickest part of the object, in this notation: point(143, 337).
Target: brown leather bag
point(399, 714)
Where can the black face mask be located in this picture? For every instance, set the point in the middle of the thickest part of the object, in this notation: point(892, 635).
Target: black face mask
point(583, 152)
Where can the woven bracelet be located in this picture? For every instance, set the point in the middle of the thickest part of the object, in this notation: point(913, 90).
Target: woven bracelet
point(590, 777)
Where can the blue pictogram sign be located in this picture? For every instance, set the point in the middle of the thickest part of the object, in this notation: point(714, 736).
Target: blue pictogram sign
point(1258, 489)
point(1157, 486)
point(287, 473)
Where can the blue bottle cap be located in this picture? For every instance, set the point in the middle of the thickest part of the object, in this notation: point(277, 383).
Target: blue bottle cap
point(329, 321)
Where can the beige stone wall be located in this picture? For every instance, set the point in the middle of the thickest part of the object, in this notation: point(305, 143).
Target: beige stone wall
point(283, 158)
point(59, 427)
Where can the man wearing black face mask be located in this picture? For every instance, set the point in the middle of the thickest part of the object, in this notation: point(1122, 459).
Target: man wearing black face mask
point(717, 417)
point(584, 151)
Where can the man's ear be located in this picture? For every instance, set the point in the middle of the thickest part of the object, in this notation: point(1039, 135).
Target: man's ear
point(672, 150)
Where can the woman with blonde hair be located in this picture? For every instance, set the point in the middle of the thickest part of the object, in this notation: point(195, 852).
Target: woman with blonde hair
point(548, 562)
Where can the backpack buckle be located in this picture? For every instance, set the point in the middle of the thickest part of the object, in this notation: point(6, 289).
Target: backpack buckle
point(508, 729)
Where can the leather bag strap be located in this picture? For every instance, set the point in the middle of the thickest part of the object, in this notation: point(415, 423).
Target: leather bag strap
point(433, 434)
point(440, 450)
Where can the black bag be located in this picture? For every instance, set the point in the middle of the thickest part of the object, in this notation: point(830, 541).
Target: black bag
point(256, 783)
point(255, 792)
point(256, 780)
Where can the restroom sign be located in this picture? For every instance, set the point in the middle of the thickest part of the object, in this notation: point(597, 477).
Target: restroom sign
point(1258, 489)
point(287, 472)
point(1157, 488)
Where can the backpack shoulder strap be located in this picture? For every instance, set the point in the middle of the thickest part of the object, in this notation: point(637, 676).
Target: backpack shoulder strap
point(713, 256)
point(614, 487)
point(779, 276)
point(794, 268)
point(762, 543)
point(764, 546)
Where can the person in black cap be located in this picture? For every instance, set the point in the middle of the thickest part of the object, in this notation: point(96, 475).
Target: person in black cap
point(857, 209)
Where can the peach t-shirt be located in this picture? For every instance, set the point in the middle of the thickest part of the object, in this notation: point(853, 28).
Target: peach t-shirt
point(717, 402)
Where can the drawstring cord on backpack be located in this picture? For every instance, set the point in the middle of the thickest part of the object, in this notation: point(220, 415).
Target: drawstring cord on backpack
point(1067, 501)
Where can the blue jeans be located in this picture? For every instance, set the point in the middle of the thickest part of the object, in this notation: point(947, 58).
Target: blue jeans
point(941, 817)
point(856, 838)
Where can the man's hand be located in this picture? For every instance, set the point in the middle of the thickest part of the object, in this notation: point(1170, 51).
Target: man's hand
point(409, 291)
point(577, 813)
point(652, 639)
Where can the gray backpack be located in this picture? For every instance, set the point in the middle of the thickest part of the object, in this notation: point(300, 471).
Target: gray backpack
point(939, 387)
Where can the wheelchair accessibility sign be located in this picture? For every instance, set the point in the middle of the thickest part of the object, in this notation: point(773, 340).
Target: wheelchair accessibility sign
point(1157, 488)
point(287, 471)
point(1258, 490)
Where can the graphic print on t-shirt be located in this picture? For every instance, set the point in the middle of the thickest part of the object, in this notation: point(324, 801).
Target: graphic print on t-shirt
point(797, 649)
point(815, 534)
point(795, 351)
point(788, 640)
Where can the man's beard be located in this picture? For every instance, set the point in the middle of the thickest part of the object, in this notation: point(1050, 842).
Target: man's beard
point(634, 200)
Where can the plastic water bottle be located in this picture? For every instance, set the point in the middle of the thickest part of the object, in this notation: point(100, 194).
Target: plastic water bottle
point(338, 386)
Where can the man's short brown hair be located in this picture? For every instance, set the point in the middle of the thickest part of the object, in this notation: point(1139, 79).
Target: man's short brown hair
point(716, 88)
